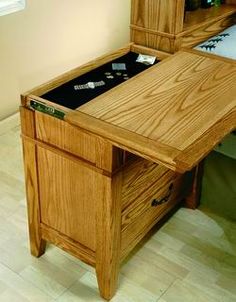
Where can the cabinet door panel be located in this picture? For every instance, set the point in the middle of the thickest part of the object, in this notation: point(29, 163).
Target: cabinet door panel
point(67, 197)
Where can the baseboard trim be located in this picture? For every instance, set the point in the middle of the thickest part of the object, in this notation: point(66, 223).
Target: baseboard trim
point(9, 123)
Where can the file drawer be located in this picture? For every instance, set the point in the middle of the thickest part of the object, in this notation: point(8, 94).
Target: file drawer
point(149, 207)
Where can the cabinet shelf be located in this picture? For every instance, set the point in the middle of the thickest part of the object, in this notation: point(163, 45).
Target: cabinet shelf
point(200, 17)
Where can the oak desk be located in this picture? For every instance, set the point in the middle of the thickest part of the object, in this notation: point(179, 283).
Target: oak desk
point(98, 180)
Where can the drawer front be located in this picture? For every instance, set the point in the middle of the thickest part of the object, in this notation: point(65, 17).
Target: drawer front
point(138, 176)
point(140, 215)
point(62, 135)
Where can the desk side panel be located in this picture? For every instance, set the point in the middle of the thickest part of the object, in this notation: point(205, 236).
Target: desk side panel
point(67, 197)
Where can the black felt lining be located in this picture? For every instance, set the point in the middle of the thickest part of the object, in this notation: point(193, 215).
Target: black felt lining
point(67, 96)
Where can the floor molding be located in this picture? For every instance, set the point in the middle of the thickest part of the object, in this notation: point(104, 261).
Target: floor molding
point(9, 123)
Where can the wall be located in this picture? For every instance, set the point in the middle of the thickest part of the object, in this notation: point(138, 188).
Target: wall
point(53, 36)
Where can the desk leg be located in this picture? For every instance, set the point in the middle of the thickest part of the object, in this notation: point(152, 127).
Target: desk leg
point(108, 221)
point(192, 201)
point(37, 244)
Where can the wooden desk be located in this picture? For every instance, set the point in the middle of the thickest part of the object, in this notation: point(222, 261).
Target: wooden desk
point(100, 179)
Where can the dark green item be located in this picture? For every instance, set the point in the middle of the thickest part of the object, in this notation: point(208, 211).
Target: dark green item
point(192, 4)
point(39, 106)
point(207, 3)
point(219, 185)
point(217, 3)
point(228, 145)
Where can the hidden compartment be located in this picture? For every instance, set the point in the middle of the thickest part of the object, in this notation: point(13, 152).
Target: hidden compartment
point(81, 85)
point(86, 87)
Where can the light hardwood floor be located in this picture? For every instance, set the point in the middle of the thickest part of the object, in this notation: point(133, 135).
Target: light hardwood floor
point(192, 257)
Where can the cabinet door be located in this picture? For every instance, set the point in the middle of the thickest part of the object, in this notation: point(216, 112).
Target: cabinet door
point(68, 196)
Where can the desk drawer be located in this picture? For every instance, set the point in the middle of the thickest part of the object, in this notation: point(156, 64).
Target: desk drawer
point(138, 176)
point(146, 209)
point(62, 135)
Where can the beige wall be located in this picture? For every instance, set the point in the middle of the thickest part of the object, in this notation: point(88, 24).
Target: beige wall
point(52, 36)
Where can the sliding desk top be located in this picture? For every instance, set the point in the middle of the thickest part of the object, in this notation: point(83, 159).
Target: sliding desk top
point(174, 113)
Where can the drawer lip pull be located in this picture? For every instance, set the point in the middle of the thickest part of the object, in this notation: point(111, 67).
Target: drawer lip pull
point(157, 202)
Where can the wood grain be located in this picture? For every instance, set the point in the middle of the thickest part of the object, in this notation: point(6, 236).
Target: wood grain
point(37, 244)
point(202, 32)
point(181, 93)
point(138, 176)
point(135, 143)
point(27, 122)
point(140, 217)
point(157, 15)
point(139, 205)
point(192, 201)
point(153, 40)
point(174, 104)
point(210, 55)
point(107, 157)
point(204, 17)
point(108, 232)
point(163, 25)
point(67, 155)
point(67, 201)
point(148, 51)
point(205, 143)
point(68, 244)
point(64, 136)
point(52, 132)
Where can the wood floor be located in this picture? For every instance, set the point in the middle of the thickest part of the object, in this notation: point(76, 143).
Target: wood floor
point(192, 257)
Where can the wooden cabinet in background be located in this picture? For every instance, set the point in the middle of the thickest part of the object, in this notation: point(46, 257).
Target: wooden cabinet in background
point(165, 26)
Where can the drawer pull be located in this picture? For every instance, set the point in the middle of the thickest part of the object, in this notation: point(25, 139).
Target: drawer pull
point(157, 202)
